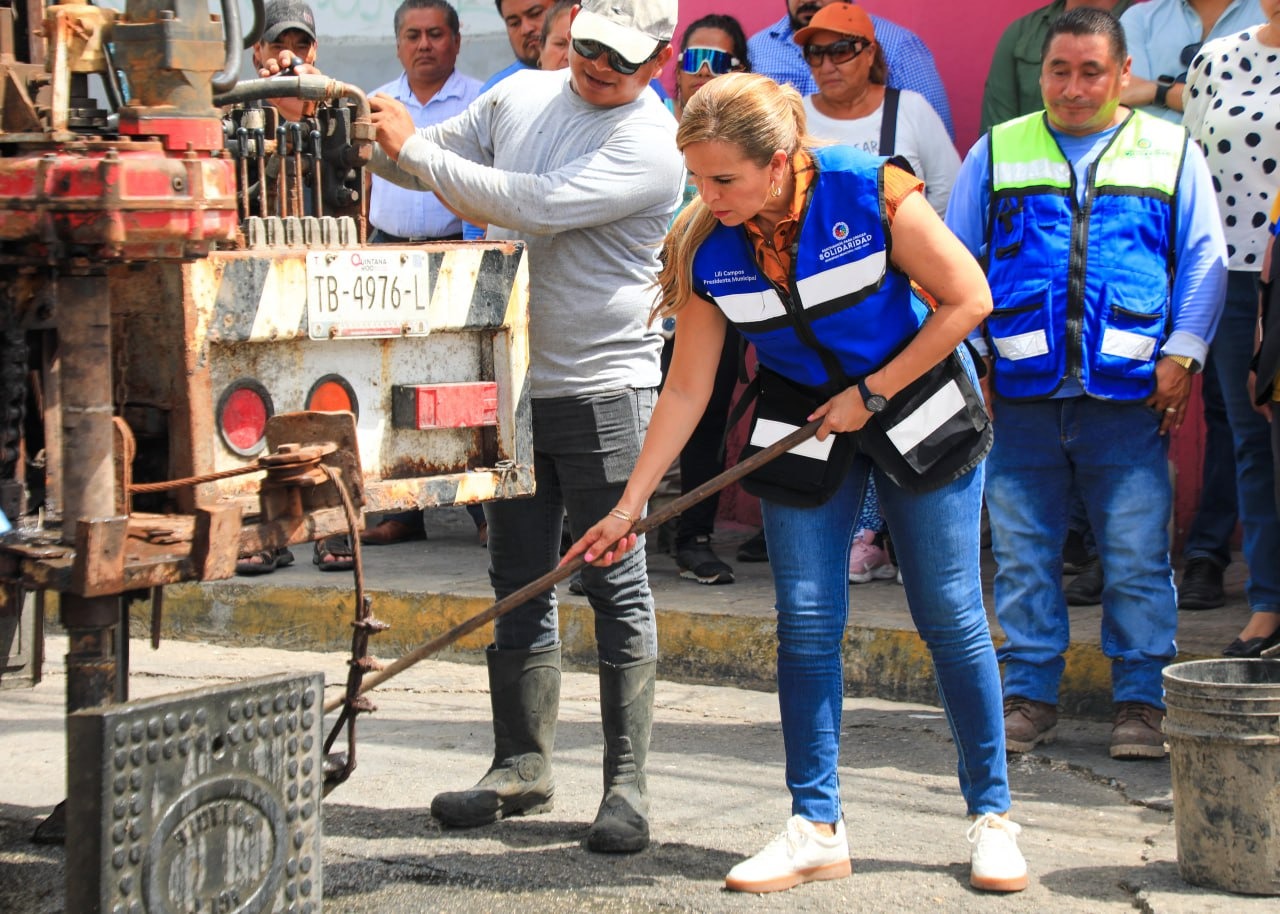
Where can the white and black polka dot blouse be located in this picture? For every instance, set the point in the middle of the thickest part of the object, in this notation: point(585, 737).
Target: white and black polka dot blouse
point(1233, 110)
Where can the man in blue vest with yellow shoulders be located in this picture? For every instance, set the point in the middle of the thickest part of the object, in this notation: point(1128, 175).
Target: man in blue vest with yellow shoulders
point(1100, 235)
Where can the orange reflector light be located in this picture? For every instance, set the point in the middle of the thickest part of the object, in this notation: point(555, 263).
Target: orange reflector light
point(243, 411)
point(333, 394)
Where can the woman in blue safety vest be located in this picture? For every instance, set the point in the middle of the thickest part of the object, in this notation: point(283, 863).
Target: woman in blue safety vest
point(833, 264)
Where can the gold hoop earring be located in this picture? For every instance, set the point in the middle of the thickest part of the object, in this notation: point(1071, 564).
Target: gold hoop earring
point(775, 190)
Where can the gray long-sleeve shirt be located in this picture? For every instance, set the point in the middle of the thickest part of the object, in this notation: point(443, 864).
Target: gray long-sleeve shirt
point(591, 190)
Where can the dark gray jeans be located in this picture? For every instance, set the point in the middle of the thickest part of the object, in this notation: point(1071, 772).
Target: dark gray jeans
point(584, 449)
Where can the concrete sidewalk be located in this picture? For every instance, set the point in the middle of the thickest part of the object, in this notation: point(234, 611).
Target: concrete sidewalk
point(1097, 833)
point(721, 635)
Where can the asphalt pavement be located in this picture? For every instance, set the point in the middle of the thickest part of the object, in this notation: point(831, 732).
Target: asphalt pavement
point(1097, 833)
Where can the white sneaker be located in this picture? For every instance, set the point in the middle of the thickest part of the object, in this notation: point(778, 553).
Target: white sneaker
point(995, 863)
point(867, 561)
point(797, 855)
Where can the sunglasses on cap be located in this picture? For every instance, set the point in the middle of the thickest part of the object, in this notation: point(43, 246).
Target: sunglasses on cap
point(841, 51)
point(593, 49)
point(716, 60)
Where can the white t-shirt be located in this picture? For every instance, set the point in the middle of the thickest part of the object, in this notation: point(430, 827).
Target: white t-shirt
point(922, 140)
point(1231, 110)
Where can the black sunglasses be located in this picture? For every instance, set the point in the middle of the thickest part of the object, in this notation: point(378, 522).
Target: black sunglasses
point(1189, 53)
point(593, 49)
point(841, 51)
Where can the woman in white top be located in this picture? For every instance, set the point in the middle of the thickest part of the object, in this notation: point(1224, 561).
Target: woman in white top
point(852, 100)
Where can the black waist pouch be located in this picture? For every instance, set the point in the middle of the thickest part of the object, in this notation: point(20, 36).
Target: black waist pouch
point(932, 432)
point(809, 473)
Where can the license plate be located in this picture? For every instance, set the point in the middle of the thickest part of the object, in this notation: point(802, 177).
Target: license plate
point(364, 293)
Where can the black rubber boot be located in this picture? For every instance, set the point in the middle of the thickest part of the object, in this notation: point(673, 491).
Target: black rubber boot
point(524, 692)
point(626, 710)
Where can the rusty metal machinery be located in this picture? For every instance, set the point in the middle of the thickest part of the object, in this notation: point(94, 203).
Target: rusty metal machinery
point(200, 355)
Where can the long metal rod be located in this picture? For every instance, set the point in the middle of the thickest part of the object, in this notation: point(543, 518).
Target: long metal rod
point(555, 576)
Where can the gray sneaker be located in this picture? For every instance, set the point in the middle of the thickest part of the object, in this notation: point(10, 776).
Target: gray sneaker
point(1028, 723)
point(1137, 733)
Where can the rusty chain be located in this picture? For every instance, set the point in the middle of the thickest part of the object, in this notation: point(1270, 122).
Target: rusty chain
point(338, 766)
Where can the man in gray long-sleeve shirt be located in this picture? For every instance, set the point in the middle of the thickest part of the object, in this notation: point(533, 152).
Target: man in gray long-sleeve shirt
point(582, 164)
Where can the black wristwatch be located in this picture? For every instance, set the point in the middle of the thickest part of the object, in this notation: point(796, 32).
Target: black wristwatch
point(873, 402)
point(1163, 85)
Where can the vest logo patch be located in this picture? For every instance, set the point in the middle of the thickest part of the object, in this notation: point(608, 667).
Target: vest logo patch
point(845, 243)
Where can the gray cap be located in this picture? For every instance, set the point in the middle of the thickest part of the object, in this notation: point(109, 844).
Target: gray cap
point(633, 28)
point(282, 15)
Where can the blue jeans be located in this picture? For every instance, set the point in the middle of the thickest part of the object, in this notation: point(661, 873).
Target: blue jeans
point(1215, 520)
point(1113, 455)
point(1232, 349)
point(584, 449)
point(937, 542)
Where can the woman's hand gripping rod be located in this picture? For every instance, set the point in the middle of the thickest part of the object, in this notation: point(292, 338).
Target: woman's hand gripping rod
point(549, 580)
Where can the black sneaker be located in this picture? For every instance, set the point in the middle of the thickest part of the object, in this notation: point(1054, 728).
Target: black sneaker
point(699, 563)
point(1201, 586)
point(754, 549)
point(1075, 558)
point(1086, 589)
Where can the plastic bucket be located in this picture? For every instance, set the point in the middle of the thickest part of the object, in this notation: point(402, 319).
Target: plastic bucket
point(1223, 729)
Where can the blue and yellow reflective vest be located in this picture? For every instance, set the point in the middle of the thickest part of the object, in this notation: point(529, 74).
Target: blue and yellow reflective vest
point(842, 290)
point(1081, 290)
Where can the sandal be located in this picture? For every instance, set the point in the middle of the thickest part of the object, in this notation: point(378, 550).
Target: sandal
point(264, 561)
point(333, 553)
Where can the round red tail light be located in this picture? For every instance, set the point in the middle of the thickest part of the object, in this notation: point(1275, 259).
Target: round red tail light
point(243, 411)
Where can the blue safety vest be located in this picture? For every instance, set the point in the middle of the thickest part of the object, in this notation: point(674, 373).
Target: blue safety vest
point(842, 290)
point(1081, 290)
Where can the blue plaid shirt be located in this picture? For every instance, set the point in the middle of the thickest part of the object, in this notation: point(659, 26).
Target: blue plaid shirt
point(774, 53)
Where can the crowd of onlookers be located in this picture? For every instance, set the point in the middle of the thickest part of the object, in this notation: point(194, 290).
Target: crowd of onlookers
point(872, 84)
point(1097, 249)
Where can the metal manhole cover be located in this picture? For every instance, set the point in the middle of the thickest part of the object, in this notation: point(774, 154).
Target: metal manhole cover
point(204, 802)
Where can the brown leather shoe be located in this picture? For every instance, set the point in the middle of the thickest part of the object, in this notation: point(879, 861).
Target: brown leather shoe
point(1028, 723)
point(1136, 733)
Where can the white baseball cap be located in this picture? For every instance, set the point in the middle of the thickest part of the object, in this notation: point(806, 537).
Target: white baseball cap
point(633, 28)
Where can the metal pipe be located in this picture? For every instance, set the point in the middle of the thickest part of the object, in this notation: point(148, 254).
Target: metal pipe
point(260, 156)
point(295, 151)
point(282, 187)
point(308, 88)
point(255, 30)
point(226, 78)
point(317, 191)
point(84, 354)
point(243, 204)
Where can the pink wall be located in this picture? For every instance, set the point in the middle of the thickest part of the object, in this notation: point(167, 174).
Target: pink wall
point(961, 36)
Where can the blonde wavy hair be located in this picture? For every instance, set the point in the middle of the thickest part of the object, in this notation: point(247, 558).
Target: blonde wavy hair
point(751, 112)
